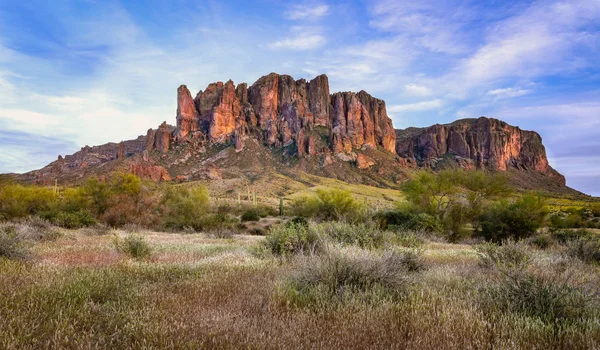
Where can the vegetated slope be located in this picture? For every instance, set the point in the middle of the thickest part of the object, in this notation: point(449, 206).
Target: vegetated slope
point(281, 126)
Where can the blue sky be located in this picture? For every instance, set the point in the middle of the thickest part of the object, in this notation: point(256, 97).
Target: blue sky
point(75, 73)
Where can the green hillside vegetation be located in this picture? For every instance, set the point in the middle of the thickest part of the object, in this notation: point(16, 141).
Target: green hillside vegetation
point(452, 260)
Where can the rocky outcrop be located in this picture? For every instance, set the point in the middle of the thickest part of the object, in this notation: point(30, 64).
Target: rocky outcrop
point(155, 172)
point(280, 111)
point(358, 120)
point(187, 115)
point(482, 143)
point(364, 162)
point(162, 138)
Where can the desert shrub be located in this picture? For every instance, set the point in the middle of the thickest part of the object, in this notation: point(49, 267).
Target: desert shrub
point(34, 228)
point(221, 233)
point(11, 245)
point(306, 207)
point(543, 241)
point(257, 231)
point(405, 219)
point(509, 255)
point(298, 220)
point(285, 240)
point(17, 201)
point(585, 249)
point(516, 220)
point(331, 204)
point(409, 239)
point(565, 236)
point(336, 277)
point(569, 219)
point(98, 229)
point(74, 220)
point(251, 215)
point(363, 235)
point(133, 245)
point(185, 207)
point(550, 299)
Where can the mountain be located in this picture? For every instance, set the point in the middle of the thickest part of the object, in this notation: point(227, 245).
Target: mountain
point(280, 125)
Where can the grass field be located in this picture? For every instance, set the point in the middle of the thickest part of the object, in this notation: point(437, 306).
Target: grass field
point(194, 291)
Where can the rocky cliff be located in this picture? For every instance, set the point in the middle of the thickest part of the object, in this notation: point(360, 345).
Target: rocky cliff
point(280, 111)
point(290, 125)
point(483, 143)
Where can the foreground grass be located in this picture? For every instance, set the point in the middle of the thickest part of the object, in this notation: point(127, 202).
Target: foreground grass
point(197, 292)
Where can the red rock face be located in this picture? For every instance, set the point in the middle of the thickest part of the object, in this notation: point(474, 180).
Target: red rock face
point(187, 115)
point(154, 172)
point(484, 143)
point(364, 162)
point(360, 120)
point(162, 138)
point(280, 110)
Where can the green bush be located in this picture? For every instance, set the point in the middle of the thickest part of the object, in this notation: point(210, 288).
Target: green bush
point(285, 240)
point(133, 245)
point(328, 205)
point(18, 201)
point(565, 236)
point(517, 220)
point(509, 255)
point(251, 215)
point(11, 245)
point(338, 278)
point(362, 235)
point(549, 299)
point(402, 219)
point(543, 241)
point(185, 207)
point(585, 249)
point(73, 220)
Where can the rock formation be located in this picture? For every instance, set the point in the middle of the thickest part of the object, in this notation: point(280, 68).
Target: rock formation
point(280, 110)
point(482, 143)
point(334, 134)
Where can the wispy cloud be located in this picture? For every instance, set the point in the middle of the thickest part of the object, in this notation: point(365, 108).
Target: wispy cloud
point(419, 106)
point(417, 90)
point(300, 41)
point(508, 92)
point(307, 11)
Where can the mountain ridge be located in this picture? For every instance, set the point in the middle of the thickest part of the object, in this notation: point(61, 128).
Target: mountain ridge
point(342, 135)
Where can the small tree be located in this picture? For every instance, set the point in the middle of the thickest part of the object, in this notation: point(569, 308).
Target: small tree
point(516, 220)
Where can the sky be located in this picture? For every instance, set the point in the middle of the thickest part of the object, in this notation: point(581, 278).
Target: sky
point(87, 72)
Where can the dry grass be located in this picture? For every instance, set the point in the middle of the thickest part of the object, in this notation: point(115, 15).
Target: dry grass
point(196, 291)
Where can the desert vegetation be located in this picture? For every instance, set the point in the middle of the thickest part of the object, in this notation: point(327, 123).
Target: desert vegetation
point(462, 262)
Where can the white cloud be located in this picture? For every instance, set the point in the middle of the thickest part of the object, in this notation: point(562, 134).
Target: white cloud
point(307, 11)
point(417, 90)
point(300, 42)
point(418, 106)
point(508, 92)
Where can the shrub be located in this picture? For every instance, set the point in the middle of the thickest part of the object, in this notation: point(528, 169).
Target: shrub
point(565, 236)
point(549, 299)
point(362, 235)
point(257, 231)
point(11, 245)
point(98, 229)
point(185, 207)
point(74, 220)
point(37, 229)
point(337, 277)
point(585, 249)
point(285, 240)
point(251, 215)
point(543, 241)
point(133, 245)
point(515, 220)
point(509, 255)
point(298, 220)
point(404, 219)
point(221, 233)
point(17, 201)
point(409, 239)
point(328, 205)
